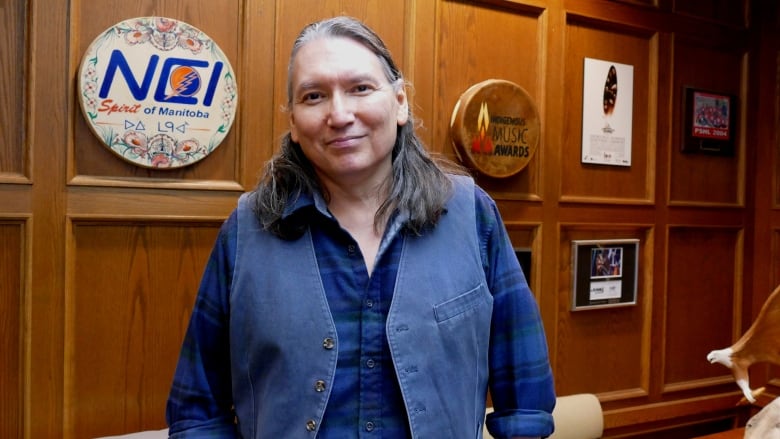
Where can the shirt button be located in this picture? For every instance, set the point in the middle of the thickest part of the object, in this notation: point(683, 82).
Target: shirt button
point(370, 363)
point(370, 426)
point(369, 303)
point(351, 249)
point(311, 424)
point(319, 386)
point(328, 343)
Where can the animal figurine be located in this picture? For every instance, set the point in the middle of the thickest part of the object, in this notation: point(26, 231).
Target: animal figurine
point(760, 344)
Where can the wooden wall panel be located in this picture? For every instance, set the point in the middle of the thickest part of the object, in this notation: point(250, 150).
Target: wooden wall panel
point(90, 161)
point(731, 12)
point(13, 56)
point(127, 308)
point(702, 301)
point(591, 345)
point(701, 178)
point(48, 36)
point(12, 321)
point(610, 42)
point(479, 42)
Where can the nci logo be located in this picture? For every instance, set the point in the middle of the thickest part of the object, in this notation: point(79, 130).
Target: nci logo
point(180, 73)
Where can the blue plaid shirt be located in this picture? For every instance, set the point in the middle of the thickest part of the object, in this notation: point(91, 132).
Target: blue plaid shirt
point(366, 400)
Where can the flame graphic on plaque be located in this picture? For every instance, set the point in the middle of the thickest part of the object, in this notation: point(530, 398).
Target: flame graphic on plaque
point(482, 143)
point(610, 97)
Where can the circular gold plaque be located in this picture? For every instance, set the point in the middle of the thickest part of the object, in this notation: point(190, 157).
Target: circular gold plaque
point(495, 128)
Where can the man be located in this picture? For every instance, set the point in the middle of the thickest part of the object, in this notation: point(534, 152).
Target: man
point(362, 289)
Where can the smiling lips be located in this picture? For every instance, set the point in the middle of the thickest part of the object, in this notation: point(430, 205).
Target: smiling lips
point(343, 141)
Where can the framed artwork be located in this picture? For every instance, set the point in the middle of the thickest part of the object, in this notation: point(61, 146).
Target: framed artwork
point(607, 107)
point(709, 122)
point(604, 273)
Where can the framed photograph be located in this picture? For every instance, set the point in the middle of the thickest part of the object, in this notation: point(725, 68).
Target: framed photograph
point(709, 122)
point(604, 273)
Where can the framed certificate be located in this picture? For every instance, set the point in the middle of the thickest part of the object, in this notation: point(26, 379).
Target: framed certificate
point(604, 273)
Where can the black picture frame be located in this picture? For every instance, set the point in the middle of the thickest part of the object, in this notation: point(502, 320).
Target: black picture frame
point(604, 273)
point(524, 258)
point(709, 122)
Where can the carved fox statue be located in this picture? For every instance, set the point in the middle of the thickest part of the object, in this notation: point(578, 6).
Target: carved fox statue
point(760, 344)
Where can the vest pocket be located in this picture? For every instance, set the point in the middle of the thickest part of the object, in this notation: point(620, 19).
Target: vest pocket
point(462, 303)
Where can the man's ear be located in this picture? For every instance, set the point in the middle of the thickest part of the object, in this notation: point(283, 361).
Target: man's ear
point(293, 128)
point(403, 106)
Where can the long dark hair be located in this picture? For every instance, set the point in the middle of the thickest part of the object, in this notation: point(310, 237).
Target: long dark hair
point(419, 187)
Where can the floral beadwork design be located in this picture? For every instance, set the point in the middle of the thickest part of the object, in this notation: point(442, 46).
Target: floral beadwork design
point(163, 33)
point(161, 150)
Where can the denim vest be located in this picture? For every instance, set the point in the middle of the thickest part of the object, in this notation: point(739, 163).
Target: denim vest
point(283, 340)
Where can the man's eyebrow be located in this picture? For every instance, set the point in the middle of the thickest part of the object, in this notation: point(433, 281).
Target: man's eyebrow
point(350, 79)
point(307, 85)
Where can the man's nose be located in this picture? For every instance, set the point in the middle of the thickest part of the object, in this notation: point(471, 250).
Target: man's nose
point(341, 110)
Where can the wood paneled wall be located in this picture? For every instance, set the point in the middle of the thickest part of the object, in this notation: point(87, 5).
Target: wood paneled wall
point(101, 259)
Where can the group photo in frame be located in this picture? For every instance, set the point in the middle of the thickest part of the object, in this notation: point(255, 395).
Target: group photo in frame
point(604, 273)
point(709, 122)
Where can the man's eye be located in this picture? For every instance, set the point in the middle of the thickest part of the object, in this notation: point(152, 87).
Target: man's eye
point(362, 88)
point(311, 97)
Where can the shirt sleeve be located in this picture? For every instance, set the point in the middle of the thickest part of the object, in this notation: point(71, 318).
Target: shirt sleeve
point(200, 403)
point(520, 381)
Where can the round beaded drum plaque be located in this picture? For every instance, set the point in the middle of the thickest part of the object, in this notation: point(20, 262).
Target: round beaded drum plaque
point(495, 128)
point(157, 92)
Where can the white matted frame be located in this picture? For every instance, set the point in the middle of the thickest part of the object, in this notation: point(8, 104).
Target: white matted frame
point(604, 273)
point(607, 108)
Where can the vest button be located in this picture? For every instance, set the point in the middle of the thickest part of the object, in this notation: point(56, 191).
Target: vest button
point(370, 363)
point(370, 426)
point(319, 386)
point(311, 425)
point(328, 343)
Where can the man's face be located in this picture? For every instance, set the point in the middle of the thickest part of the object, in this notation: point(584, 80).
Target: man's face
point(345, 113)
